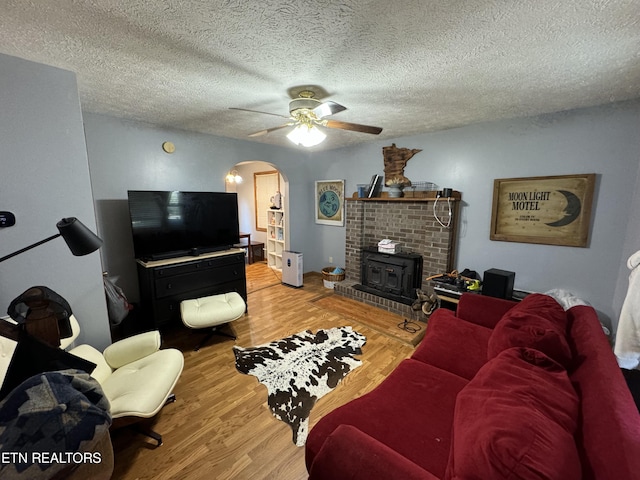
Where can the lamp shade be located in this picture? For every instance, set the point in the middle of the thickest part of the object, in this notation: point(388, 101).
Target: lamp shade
point(234, 177)
point(80, 240)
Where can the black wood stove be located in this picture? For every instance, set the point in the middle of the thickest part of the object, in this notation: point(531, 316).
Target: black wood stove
point(393, 276)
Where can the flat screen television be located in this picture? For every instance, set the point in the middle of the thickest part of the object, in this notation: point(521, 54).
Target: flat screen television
point(174, 224)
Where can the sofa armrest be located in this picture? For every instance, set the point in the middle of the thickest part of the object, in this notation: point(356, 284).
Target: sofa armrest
point(131, 349)
point(608, 436)
point(350, 453)
point(482, 310)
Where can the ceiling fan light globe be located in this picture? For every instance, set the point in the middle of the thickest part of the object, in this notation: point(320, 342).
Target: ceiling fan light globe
point(306, 136)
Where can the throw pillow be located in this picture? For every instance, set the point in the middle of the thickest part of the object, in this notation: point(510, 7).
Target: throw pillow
point(537, 322)
point(543, 305)
point(516, 420)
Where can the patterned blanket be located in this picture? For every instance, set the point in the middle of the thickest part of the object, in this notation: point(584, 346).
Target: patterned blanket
point(50, 423)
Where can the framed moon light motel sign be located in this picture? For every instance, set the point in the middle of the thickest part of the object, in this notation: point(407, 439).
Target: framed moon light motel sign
point(330, 202)
point(548, 210)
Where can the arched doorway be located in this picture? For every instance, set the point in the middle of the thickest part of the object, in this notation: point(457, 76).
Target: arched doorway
point(260, 182)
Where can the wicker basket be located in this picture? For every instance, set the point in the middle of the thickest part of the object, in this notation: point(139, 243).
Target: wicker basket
point(331, 277)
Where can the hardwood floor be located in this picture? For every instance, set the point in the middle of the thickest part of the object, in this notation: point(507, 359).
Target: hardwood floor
point(220, 426)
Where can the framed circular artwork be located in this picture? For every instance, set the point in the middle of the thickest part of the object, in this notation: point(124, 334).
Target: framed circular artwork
point(329, 200)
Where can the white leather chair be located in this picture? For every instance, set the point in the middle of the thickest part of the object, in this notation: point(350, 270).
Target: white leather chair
point(212, 312)
point(137, 377)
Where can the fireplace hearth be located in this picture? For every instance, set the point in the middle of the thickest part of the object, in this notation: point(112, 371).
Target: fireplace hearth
point(392, 276)
point(408, 221)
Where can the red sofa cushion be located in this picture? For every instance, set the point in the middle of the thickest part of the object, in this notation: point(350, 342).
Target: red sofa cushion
point(482, 310)
point(516, 420)
point(411, 412)
point(441, 345)
point(537, 322)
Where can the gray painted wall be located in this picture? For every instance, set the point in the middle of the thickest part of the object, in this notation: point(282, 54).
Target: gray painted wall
point(45, 177)
point(600, 140)
point(126, 155)
point(631, 244)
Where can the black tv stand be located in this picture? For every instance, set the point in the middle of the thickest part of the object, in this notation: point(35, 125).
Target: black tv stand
point(166, 283)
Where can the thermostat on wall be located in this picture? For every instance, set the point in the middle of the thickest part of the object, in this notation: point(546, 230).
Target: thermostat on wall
point(7, 219)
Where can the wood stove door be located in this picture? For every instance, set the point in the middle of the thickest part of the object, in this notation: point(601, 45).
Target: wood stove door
point(385, 277)
point(374, 275)
point(394, 275)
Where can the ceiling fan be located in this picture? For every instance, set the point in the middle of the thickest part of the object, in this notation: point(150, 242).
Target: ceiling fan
point(306, 113)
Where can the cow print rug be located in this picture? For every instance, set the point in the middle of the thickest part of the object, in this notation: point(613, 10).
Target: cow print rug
point(300, 369)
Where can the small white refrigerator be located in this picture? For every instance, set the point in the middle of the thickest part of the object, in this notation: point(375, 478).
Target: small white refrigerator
point(292, 268)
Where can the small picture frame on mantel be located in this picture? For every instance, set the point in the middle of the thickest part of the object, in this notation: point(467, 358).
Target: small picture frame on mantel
point(329, 202)
point(375, 186)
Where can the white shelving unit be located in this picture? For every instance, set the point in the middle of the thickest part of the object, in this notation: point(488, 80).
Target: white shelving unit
point(275, 238)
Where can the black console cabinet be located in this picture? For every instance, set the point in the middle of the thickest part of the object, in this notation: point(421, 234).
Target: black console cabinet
point(166, 283)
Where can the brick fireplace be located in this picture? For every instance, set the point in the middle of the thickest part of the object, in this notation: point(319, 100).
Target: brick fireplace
point(409, 221)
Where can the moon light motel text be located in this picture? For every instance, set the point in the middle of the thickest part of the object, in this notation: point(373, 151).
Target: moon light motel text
point(527, 200)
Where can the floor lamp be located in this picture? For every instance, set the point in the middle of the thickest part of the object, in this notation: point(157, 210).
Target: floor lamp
point(42, 322)
point(80, 240)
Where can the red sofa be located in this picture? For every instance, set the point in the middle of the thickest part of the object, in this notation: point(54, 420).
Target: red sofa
point(495, 390)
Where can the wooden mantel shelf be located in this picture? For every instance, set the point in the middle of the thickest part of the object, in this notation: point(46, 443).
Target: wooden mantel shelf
point(419, 196)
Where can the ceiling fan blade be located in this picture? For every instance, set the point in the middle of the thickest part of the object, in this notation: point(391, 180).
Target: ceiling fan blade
point(352, 126)
point(257, 111)
point(268, 130)
point(328, 108)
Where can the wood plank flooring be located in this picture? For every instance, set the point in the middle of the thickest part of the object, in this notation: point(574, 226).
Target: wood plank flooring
point(220, 426)
point(380, 320)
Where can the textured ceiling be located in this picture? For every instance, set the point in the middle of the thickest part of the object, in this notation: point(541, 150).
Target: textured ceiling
point(409, 67)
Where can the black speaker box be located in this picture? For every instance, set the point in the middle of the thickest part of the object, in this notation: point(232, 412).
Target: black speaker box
point(498, 283)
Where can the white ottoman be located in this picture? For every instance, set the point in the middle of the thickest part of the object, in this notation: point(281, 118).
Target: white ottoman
point(211, 312)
